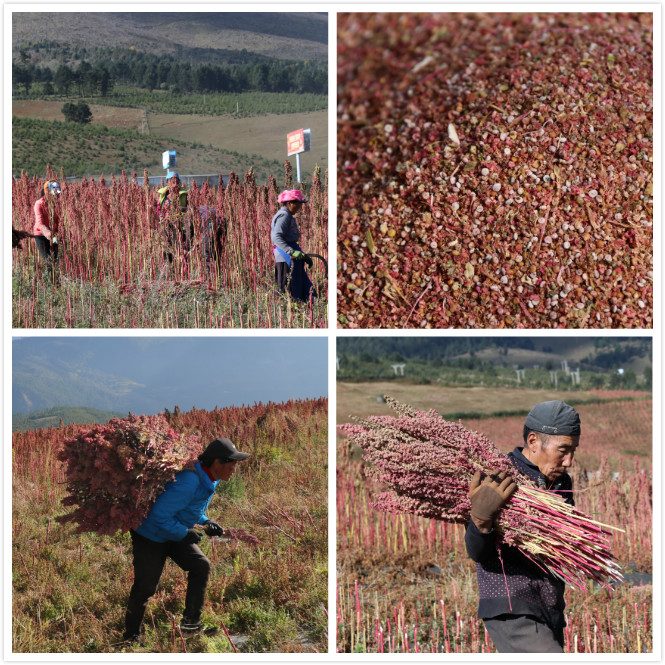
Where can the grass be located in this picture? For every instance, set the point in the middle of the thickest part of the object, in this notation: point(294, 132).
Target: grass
point(75, 303)
point(69, 591)
point(93, 150)
point(357, 399)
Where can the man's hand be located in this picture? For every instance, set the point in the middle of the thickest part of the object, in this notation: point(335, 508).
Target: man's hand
point(213, 529)
point(193, 537)
point(54, 240)
point(298, 255)
point(489, 496)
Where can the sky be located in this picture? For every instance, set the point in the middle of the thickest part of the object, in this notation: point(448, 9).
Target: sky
point(160, 372)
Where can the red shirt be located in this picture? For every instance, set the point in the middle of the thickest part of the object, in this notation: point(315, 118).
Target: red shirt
point(207, 470)
point(43, 225)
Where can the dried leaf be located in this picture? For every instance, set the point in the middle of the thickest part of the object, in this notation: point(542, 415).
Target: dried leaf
point(452, 134)
point(469, 271)
point(370, 242)
point(423, 63)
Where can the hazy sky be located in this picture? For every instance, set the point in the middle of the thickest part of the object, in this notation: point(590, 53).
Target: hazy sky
point(188, 371)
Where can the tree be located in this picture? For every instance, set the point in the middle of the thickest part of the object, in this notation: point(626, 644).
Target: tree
point(64, 77)
point(22, 76)
point(79, 112)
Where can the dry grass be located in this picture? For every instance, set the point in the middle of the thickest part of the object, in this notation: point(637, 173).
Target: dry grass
point(264, 136)
point(359, 399)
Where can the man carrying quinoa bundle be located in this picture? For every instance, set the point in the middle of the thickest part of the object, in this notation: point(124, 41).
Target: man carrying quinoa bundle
point(168, 532)
point(522, 605)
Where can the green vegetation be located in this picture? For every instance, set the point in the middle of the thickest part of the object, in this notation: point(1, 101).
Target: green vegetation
point(79, 112)
point(494, 361)
point(57, 415)
point(245, 72)
point(91, 150)
point(242, 105)
point(474, 372)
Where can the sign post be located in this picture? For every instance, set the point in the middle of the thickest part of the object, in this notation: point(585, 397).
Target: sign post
point(296, 143)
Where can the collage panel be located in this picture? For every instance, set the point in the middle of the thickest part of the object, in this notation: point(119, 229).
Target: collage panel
point(168, 482)
point(170, 169)
point(175, 507)
point(495, 170)
point(494, 494)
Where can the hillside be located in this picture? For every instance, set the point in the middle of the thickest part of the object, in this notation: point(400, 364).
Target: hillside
point(592, 352)
point(22, 422)
point(94, 150)
point(196, 36)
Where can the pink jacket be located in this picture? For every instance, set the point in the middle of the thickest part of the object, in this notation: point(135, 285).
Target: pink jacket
point(43, 225)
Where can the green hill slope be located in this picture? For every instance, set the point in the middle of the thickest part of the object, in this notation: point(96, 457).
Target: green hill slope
point(68, 414)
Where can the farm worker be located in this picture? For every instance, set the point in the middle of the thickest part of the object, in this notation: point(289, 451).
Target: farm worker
point(46, 223)
point(289, 257)
point(521, 605)
point(165, 201)
point(177, 232)
point(168, 532)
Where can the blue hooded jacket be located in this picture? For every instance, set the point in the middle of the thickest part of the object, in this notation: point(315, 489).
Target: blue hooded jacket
point(179, 507)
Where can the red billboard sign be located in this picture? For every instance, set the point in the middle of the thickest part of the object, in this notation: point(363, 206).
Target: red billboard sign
point(295, 142)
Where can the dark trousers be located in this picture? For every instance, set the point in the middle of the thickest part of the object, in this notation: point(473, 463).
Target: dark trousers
point(523, 634)
point(294, 279)
point(149, 560)
point(47, 251)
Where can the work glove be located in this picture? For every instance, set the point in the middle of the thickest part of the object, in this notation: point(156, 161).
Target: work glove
point(193, 537)
point(490, 495)
point(308, 260)
point(213, 529)
point(298, 255)
point(54, 240)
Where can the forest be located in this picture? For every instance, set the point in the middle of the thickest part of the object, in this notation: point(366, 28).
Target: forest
point(107, 67)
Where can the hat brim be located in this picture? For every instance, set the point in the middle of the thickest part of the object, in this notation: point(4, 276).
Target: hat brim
point(238, 457)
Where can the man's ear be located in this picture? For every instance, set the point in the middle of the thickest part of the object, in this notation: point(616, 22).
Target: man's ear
point(532, 441)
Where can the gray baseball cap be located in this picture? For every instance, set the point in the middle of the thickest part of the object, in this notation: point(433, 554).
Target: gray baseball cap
point(554, 417)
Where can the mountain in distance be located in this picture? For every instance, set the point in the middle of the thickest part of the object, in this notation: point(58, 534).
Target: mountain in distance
point(150, 374)
point(196, 36)
point(22, 422)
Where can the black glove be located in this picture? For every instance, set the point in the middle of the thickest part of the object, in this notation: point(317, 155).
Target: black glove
point(192, 538)
point(213, 529)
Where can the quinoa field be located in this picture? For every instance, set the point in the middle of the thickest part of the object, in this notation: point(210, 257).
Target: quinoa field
point(119, 266)
point(69, 590)
point(495, 170)
point(405, 583)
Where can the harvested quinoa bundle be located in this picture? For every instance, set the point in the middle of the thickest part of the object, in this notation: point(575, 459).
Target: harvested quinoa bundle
point(428, 463)
point(117, 470)
point(495, 170)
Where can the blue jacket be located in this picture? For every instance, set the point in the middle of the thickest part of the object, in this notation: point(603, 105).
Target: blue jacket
point(179, 507)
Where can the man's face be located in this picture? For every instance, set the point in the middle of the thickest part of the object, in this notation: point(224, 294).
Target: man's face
point(222, 470)
point(554, 456)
